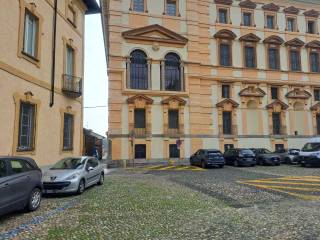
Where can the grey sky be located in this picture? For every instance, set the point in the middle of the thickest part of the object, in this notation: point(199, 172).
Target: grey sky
point(95, 77)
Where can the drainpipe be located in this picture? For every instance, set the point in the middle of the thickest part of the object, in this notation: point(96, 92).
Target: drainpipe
point(53, 67)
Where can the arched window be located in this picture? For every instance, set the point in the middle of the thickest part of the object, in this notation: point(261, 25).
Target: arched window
point(138, 70)
point(172, 74)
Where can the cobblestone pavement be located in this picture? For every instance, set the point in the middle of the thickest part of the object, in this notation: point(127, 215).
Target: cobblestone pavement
point(182, 203)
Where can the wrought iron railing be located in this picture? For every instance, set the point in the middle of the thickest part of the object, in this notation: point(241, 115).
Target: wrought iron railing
point(72, 86)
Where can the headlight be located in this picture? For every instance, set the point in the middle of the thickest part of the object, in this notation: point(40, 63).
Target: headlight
point(73, 176)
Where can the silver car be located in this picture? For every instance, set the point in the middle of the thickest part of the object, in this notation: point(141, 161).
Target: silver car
point(288, 156)
point(73, 175)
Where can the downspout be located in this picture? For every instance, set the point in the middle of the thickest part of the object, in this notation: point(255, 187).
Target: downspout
point(53, 67)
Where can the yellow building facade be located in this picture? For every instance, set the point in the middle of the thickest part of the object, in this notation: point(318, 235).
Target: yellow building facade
point(41, 95)
point(187, 74)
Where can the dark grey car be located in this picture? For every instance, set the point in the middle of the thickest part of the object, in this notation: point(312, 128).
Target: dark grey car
point(20, 184)
point(207, 158)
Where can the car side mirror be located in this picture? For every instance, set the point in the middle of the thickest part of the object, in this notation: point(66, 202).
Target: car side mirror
point(90, 169)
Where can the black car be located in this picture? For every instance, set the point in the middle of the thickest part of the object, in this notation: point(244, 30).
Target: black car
point(266, 157)
point(20, 184)
point(240, 157)
point(207, 158)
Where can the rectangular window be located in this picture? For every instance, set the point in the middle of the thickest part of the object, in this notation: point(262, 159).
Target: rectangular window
point(174, 151)
point(273, 55)
point(173, 119)
point(311, 27)
point(171, 7)
point(225, 55)
point(139, 118)
point(227, 123)
point(26, 126)
point(30, 34)
point(276, 123)
point(279, 147)
point(270, 21)
point(138, 5)
point(318, 124)
point(249, 57)
point(68, 122)
point(291, 24)
point(228, 147)
point(140, 151)
point(70, 61)
point(316, 93)
point(247, 19)
point(295, 60)
point(274, 93)
point(223, 15)
point(225, 91)
point(314, 62)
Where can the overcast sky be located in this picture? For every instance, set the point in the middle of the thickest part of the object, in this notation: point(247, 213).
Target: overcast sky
point(95, 77)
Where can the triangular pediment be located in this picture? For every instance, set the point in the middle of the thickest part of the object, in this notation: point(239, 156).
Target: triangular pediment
point(155, 33)
point(271, 7)
point(227, 101)
point(140, 98)
point(315, 107)
point(250, 38)
point(277, 103)
point(311, 13)
point(296, 42)
point(225, 34)
point(274, 40)
point(174, 99)
point(298, 93)
point(313, 44)
point(252, 92)
point(248, 4)
point(291, 10)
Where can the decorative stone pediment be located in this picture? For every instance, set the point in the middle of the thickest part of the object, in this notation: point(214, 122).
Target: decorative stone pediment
point(224, 2)
point(225, 34)
point(271, 7)
point(277, 105)
point(296, 42)
point(139, 100)
point(252, 92)
point(291, 10)
point(155, 33)
point(174, 100)
point(227, 102)
point(311, 13)
point(313, 44)
point(315, 107)
point(298, 93)
point(274, 40)
point(248, 4)
point(250, 38)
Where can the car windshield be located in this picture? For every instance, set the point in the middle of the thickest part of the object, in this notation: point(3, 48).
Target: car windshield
point(246, 151)
point(265, 151)
point(311, 147)
point(69, 163)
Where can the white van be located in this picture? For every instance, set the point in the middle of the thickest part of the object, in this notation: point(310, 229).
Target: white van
point(310, 153)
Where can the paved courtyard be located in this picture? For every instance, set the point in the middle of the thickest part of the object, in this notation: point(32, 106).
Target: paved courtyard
point(182, 203)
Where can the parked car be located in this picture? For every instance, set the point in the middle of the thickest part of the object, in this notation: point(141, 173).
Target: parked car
point(20, 184)
point(266, 157)
point(73, 175)
point(207, 158)
point(288, 156)
point(310, 153)
point(240, 157)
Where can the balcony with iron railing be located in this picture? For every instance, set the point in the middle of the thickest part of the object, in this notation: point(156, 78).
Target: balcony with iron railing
point(72, 86)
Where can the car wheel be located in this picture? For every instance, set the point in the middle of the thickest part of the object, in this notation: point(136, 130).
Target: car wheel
point(221, 166)
point(288, 161)
point(34, 199)
point(101, 179)
point(236, 163)
point(203, 164)
point(81, 187)
point(303, 164)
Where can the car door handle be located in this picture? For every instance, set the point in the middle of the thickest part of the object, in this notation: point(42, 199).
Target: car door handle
point(4, 186)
